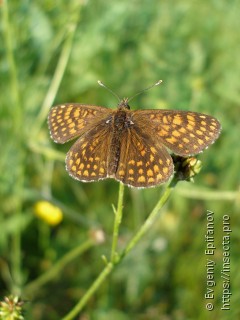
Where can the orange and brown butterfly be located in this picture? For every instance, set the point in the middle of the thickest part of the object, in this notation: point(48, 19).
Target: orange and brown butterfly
point(129, 146)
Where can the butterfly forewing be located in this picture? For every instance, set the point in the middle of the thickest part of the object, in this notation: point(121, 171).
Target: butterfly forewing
point(71, 120)
point(183, 132)
point(142, 163)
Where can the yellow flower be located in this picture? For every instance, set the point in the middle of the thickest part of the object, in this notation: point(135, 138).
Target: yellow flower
point(48, 212)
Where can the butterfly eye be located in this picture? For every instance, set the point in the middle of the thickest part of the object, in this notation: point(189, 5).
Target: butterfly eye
point(108, 121)
point(128, 123)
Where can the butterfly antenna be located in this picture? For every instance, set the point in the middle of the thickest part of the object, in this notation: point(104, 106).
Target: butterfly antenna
point(140, 92)
point(112, 92)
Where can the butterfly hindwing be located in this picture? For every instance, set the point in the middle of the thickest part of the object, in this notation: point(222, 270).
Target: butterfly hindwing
point(87, 160)
point(142, 163)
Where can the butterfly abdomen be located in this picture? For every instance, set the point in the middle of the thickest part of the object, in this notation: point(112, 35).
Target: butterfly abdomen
point(120, 124)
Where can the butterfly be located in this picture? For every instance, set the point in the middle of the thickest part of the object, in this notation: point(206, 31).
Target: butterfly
point(129, 146)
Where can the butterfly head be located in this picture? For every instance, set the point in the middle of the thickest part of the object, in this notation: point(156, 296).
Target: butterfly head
point(123, 104)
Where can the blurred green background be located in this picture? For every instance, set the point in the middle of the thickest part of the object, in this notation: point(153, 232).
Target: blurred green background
point(54, 52)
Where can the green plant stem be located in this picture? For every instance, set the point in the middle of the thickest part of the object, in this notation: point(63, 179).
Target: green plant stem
point(16, 115)
point(15, 92)
point(149, 221)
point(58, 75)
point(58, 267)
point(117, 221)
point(208, 194)
point(48, 152)
point(114, 262)
point(96, 284)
